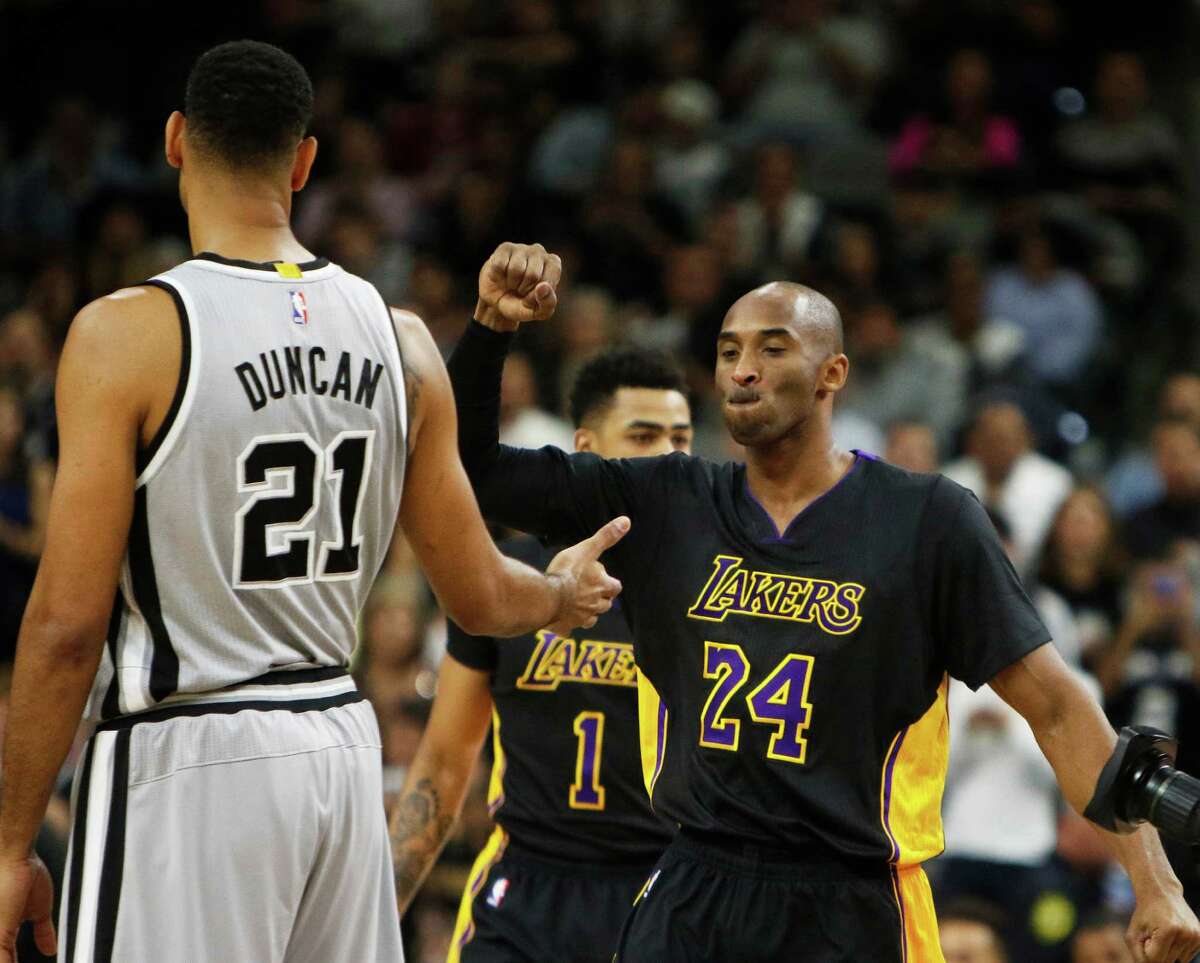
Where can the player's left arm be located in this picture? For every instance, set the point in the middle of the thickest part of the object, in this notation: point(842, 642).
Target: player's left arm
point(1074, 734)
point(118, 348)
point(436, 782)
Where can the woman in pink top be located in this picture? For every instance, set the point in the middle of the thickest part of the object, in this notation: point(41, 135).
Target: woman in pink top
point(970, 142)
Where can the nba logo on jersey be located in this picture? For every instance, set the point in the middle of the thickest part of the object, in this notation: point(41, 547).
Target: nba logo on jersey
point(299, 307)
point(496, 896)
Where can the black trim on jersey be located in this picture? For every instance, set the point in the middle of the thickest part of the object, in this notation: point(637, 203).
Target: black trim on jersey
point(146, 455)
point(230, 708)
point(111, 869)
point(295, 676)
point(111, 705)
point(164, 662)
point(78, 841)
point(312, 265)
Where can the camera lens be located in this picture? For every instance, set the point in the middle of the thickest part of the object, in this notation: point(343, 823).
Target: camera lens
point(1168, 798)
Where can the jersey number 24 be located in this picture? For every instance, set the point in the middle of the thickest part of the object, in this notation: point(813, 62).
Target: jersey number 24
point(780, 700)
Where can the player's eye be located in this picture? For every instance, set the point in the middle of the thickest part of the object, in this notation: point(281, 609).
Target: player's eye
point(680, 441)
point(773, 349)
point(642, 438)
point(728, 354)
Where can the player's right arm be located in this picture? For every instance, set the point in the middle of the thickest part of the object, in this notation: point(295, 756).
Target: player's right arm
point(543, 491)
point(477, 586)
point(437, 780)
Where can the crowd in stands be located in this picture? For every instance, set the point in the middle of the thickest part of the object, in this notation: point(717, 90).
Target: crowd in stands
point(992, 194)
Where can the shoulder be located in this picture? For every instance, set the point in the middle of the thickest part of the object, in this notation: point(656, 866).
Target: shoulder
point(933, 501)
point(127, 331)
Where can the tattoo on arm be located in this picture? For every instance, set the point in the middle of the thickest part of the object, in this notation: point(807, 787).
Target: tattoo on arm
point(420, 826)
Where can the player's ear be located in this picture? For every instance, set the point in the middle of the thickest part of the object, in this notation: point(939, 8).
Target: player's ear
point(834, 371)
point(306, 154)
point(173, 139)
point(585, 439)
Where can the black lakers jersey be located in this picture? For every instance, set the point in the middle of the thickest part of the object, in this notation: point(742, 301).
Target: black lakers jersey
point(568, 779)
point(802, 674)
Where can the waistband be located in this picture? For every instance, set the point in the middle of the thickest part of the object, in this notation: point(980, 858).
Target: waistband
point(288, 690)
point(772, 862)
point(518, 852)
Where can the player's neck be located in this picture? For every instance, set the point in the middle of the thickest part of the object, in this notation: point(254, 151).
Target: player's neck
point(243, 222)
point(788, 475)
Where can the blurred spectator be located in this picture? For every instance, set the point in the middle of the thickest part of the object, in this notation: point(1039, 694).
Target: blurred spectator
point(803, 73)
point(25, 484)
point(911, 445)
point(113, 261)
point(1054, 307)
point(969, 141)
point(923, 234)
point(894, 377)
point(1154, 660)
point(984, 349)
point(778, 224)
point(354, 240)
point(1126, 159)
point(627, 225)
point(360, 179)
point(396, 667)
point(27, 363)
point(693, 282)
point(1101, 939)
point(1133, 481)
point(690, 163)
point(969, 930)
point(854, 273)
point(481, 212)
point(522, 423)
point(1083, 562)
point(55, 293)
point(43, 196)
point(433, 296)
point(1004, 472)
point(585, 325)
point(1153, 531)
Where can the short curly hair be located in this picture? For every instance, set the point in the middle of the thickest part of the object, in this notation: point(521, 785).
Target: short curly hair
point(599, 380)
point(248, 103)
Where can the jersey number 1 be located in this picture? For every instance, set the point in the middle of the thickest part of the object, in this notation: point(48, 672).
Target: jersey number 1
point(586, 791)
point(273, 542)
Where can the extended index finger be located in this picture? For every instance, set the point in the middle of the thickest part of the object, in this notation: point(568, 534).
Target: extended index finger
point(608, 536)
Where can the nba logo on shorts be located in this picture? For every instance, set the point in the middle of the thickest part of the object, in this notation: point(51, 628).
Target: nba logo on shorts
point(496, 896)
point(299, 307)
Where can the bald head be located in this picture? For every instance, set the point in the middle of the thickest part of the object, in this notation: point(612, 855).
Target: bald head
point(812, 315)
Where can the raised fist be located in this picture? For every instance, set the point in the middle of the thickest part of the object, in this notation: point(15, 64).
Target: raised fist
point(518, 283)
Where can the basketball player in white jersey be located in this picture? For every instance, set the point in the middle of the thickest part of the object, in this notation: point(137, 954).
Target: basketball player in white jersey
point(238, 439)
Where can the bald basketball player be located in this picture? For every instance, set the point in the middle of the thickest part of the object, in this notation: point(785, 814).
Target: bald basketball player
point(798, 617)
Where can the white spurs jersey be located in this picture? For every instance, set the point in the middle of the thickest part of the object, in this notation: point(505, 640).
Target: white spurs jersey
point(265, 505)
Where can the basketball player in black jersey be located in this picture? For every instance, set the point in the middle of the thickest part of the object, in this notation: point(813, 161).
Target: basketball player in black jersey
point(799, 616)
point(242, 152)
point(576, 836)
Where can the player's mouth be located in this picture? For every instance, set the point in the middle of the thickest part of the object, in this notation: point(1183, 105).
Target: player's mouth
point(743, 398)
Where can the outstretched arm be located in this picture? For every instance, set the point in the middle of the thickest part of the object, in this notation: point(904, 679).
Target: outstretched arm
point(436, 783)
point(482, 590)
point(1077, 740)
point(544, 491)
